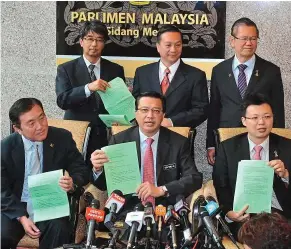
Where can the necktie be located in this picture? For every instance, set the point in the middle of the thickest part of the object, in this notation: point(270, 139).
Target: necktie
point(257, 155)
point(165, 82)
point(35, 169)
point(242, 80)
point(148, 168)
point(92, 74)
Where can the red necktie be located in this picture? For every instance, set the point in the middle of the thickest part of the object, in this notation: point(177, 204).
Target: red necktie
point(165, 82)
point(148, 168)
point(257, 155)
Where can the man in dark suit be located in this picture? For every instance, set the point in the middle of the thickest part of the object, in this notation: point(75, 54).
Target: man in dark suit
point(173, 170)
point(184, 86)
point(35, 148)
point(78, 81)
point(257, 144)
point(235, 78)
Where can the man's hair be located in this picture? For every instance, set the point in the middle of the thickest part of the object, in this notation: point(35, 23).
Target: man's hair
point(254, 99)
point(266, 231)
point(167, 28)
point(22, 106)
point(154, 95)
point(94, 26)
point(243, 21)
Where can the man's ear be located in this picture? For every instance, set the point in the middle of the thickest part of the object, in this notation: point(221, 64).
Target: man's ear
point(158, 47)
point(81, 42)
point(243, 120)
point(231, 41)
point(17, 129)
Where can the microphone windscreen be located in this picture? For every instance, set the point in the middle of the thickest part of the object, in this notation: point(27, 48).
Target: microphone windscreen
point(139, 207)
point(95, 204)
point(118, 192)
point(148, 204)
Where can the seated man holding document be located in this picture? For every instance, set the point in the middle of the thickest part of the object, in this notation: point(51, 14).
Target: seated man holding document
point(243, 185)
point(36, 148)
point(164, 164)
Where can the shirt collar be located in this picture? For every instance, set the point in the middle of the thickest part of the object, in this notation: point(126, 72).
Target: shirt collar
point(250, 63)
point(88, 63)
point(143, 137)
point(264, 144)
point(173, 68)
point(28, 143)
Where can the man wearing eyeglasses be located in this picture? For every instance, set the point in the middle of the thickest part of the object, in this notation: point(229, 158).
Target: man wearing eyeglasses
point(166, 167)
point(257, 144)
point(78, 81)
point(235, 78)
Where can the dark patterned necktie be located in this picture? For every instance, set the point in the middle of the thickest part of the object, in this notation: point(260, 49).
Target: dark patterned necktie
point(242, 80)
point(92, 74)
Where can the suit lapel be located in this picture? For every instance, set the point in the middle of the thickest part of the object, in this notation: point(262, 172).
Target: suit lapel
point(104, 74)
point(155, 79)
point(231, 87)
point(82, 72)
point(243, 148)
point(256, 75)
point(135, 137)
point(19, 157)
point(177, 80)
point(162, 151)
point(48, 152)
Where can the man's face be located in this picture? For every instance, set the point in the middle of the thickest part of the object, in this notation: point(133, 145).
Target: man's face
point(258, 121)
point(244, 49)
point(33, 124)
point(170, 48)
point(149, 115)
point(92, 45)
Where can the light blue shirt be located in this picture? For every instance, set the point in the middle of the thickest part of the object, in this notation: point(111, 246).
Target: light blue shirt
point(96, 72)
point(248, 71)
point(29, 152)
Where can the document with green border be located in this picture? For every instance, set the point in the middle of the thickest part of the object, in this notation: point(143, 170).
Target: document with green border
point(49, 201)
point(254, 186)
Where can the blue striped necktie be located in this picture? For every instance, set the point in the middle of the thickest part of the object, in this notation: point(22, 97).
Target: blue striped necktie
point(242, 80)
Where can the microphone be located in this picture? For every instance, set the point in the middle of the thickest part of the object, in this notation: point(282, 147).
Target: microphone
point(114, 203)
point(118, 230)
point(182, 208)
point(148, 218)
point(209, 226)
point(160, 212)
point(214, 210)
point(134, 219)
point(171, 218)
point(93, 215)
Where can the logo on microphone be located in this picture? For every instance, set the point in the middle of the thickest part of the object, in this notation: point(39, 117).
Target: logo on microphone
point(94, 214)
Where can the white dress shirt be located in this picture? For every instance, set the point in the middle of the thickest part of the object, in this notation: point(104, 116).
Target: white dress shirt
point(248, 71)
point(96, 72)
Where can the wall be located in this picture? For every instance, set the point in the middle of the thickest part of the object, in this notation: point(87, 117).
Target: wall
point(28, 49)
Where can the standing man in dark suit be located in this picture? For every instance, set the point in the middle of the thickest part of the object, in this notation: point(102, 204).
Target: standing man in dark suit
point(184, 86)
point(258, 144)
point(35, 148)
point(235, 78)
point(78, 81)
point(173, 171)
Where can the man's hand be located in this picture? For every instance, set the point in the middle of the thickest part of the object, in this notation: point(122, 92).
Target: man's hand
point(66, 183)
point(240, 216)
point(211, 156)
point(166, 123)
point(29, 227)
point(279, 168)
point(98, 158)
point(147, 189)
point(98, 85)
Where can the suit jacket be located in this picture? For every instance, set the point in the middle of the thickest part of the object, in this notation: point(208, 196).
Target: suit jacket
point(225, 99)
point(232, 151)
point(183, 178)
point(56, 155)
point(186, 98)
point(71, 78)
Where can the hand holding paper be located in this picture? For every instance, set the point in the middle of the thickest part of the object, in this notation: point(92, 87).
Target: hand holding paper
point(98, 158)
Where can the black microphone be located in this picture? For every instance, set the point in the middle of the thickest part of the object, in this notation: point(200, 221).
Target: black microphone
point(171, 218)
point(214, 210)
point(134, 219)
point(114, 203)
point(182, 208)
point(148, 218)
point(93, 215)
point(118, 230)
point(209, 226)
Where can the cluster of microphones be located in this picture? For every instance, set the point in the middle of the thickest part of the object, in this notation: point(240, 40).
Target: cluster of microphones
point(148, 224)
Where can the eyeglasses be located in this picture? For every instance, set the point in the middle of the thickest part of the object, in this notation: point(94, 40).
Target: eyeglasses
point(155, 111)
point(256, 119)
point(246, 38)
point(91, 40)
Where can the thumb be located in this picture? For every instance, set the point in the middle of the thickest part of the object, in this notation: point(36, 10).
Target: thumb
point(34, 228)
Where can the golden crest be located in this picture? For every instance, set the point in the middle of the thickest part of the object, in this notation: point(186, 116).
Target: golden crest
point(139, 3)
